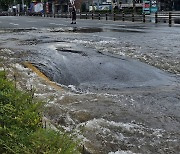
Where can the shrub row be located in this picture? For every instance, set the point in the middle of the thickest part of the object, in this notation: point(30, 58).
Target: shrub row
point(21, 125)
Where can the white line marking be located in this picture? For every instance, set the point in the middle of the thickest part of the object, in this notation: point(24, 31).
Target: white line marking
point(14, 24)
point(33, 27)
point(31, 21)
point(112, 38)
point(61, 25)
point(57, 24)
point(112, 25)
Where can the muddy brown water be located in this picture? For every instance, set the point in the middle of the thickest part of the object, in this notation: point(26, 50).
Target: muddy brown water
point(129, 119)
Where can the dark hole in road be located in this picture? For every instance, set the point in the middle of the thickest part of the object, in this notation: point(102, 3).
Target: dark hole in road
point(71, 51)
point(95, 30)
point(126, 30)
point(21, 29)
point(30, 42)
point(87, 30)
point(38, 41)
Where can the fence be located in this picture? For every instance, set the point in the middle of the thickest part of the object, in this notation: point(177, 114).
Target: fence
point(170, 18)
point(161, 17)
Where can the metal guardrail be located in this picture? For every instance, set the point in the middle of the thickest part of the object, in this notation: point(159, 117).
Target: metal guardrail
point(170, 18)
point(160, 17)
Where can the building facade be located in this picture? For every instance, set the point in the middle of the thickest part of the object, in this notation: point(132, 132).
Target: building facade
point(169, 5)
point(58, 6)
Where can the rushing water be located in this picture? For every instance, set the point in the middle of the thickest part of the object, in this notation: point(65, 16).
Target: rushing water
point(121, 120)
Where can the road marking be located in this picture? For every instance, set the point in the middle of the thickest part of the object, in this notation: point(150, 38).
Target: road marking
point(57, 24)
point(112, 25)
point(31, 21)
point(33, 27)
point(112, 38)
point(14, 24)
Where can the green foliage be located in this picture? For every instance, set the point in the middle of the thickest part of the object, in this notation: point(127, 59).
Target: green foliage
point(54, 142)
point(83, 7)
point(130, 10)
point(21, 127)
point(5, 4)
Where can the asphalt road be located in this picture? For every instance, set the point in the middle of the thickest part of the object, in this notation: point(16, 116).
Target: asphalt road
point(109, 72)
point(45, 22)
point(140, 114)
point(30, 22)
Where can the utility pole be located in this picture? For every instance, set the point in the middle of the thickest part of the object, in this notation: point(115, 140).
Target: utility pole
point(22, 5)
point(118, 6)
point(112, 6)
point(134, 6)
point(92, 6)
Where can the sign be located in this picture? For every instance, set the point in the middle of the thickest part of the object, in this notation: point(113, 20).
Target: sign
point(146, 7)
point(38, 7)
point(154, 7)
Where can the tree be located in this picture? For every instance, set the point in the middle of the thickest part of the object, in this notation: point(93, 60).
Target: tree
point(5, 4)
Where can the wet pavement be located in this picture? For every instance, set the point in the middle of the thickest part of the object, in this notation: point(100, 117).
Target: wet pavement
point(121, 82)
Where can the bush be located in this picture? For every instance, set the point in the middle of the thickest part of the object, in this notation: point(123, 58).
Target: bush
point(21, 127)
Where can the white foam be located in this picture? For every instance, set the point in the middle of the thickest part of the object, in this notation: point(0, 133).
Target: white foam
point(95, 123)
point(1, 69)
point(19, 67)
point(122, 152)
point(7, 51)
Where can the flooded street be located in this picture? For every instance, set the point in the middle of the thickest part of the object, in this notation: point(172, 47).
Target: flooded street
point(118, 87)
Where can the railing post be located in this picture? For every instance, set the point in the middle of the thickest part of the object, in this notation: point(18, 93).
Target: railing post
point(132, 17)
point(86, 16)
point(106, 17)
point(92, 16)
point(170, 19)
point(99, 16)
point(80, 15)
point(156, 18)
point(114, 16)
point(144, 17)
point(123, 19)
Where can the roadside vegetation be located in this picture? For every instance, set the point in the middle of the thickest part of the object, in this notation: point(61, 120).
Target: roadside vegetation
point(21, 127)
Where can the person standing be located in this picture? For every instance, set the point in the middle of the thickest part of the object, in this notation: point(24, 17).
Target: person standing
point(73, 15)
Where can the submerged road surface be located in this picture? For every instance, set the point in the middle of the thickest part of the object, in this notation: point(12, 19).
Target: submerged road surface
point(121, 80)
point(92, 70)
